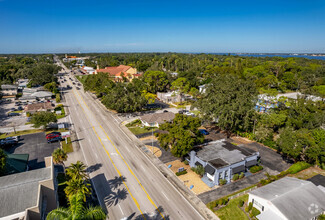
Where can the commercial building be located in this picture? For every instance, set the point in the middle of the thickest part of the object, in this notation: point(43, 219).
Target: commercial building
point(154, 120)
point(39, 107)
point(9, 90)
point(221, 160)
point(288, 198)
point(29, 195)
point(171, 97)
point(118, 72)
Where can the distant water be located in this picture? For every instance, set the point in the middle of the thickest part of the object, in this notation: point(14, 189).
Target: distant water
point(275, 55)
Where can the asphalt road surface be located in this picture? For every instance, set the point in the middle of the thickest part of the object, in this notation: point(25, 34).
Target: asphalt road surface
point(128, 185)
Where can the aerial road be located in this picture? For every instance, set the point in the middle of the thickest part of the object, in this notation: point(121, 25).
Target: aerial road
point(127, 184)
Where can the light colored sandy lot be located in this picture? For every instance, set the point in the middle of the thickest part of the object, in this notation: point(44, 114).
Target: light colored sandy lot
point(191, 178)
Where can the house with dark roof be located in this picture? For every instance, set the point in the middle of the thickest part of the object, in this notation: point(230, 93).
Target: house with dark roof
point(29, 195)
point(221, 160)
point(118, 72)
point(288, 198)
point(154, 120)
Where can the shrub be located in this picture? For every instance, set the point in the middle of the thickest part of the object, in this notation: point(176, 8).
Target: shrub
point(212, 204)
point(254, 212)
point(235, 177)
point(255, 169)
point(133, 123)
point(241, 203)
point(241, 175)
point(58, 98)
point(222, 201)
point(222, 182)
point(181, 173)
point(297, 167)
point(185, 162)
point(198, 169)
point(270, 143)
point(321, 217)
point(249, 207)
point(28, 114)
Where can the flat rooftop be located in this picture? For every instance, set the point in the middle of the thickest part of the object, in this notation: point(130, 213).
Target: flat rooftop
point(221, 153)
point(20, 191)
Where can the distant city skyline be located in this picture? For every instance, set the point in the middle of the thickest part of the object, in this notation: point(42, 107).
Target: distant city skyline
point(38, 26)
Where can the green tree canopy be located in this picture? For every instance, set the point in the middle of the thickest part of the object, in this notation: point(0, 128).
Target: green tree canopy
point(182, 134)
point(3, 160)
point(43, 119)
point(230, 101)
point(156, 81)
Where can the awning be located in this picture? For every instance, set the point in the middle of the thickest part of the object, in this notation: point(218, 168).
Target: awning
point(209, 169)
point(238, 169)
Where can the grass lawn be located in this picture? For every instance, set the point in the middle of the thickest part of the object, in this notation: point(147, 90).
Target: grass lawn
point(232, 211)
point(20, 111)
point(141, 130)
point(19, 133)
point(61, 186)
point(67, 147)
point(62, 113)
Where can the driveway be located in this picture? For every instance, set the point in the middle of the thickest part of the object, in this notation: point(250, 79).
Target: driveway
point(36, 146)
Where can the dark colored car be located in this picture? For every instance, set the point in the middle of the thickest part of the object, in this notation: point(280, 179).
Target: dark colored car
point(54, 139)
point(203, 131)
point(165, 111)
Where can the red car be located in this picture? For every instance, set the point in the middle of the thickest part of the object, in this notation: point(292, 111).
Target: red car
point(53, 135)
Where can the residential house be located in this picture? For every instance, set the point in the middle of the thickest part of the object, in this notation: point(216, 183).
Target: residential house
point(22, 83)
point(9, 90)
point(221, 160)
point(265, 102)
point(154, 120)
point(38, 107)
point(118, 72)
point(171, 97)
point(29, 195)
point(288, 198)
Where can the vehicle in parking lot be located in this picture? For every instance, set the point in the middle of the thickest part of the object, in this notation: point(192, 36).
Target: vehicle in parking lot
point(20, 108)
point(13, 114)
point(54, 139)
point(165, 111)
point(203, 131)
point(53, 135)
point(9, 141)
point(189, 114)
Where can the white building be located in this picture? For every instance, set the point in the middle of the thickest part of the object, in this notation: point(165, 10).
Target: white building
point(288, 198)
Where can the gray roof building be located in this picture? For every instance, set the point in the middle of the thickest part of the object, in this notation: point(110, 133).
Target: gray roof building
point(221, 160)
point(9, 87)
point(288, 198)
point(154, 120)
point(29, 195)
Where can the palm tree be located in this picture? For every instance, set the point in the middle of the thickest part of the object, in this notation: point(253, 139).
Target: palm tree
point(78, 171)
point(77, 211)
point(75, 186)
point(59, 156)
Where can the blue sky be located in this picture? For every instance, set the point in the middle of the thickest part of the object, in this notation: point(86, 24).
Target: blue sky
point(40, 26)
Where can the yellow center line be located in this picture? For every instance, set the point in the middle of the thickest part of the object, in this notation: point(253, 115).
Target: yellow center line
point(149, 198)
point(109, 156)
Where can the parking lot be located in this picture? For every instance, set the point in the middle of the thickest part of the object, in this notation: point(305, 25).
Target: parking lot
point(36, 146)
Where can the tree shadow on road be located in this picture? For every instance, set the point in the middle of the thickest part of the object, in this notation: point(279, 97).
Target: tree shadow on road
point(116, 182)
point(115, 197)
point(94, 167)
point(156, 215)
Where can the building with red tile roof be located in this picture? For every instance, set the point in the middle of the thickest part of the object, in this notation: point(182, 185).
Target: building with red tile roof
point(118, 72)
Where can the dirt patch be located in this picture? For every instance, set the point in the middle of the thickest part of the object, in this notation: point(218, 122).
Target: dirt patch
point(156, 151)
point(241, 140)
point(308, 173)
point(191, 178)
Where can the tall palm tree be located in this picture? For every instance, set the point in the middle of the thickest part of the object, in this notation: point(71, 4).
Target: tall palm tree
point(78, 171)
point(77, 211)
point(59, 156)
point(75, 186)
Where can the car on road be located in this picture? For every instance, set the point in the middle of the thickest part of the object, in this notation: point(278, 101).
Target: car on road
point(203, 131)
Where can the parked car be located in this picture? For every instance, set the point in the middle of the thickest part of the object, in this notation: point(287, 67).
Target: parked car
point(189, 114)
point(9, 141)
point(20, 108)
point(54, 139)
point(165, 111)
point(13, 114)
point(203, 131)
point(53, 135)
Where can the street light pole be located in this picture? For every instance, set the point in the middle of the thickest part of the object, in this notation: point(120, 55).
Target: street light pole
point(152, 139)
